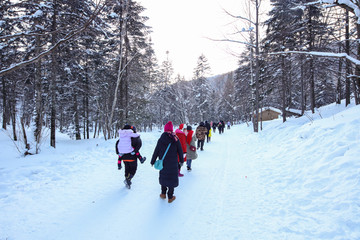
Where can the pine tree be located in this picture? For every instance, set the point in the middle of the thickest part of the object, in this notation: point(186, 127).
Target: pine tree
point(203, 89)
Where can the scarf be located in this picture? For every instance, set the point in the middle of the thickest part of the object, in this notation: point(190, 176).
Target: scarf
point(172, 135)
point(189, 136)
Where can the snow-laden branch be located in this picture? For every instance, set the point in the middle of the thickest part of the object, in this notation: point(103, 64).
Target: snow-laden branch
point(351, 5)
point(68, 36)
point(323, 54)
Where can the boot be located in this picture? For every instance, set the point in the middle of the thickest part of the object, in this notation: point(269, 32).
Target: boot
point(127, 180)
point(162, 196)
point(171, 199)
point(180, 175)
point(127, 183)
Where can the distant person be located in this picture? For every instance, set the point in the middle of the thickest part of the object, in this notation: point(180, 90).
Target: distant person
point(220, 126)
point(181, 135)
point(169, 175)
point(190, 147)
point(201, 133)
point(208, 127)
point(214, 126)
point(228, 124)
point(210, 134)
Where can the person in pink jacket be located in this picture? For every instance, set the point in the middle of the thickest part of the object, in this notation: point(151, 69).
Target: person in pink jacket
point(126, 153)
point(124, 144)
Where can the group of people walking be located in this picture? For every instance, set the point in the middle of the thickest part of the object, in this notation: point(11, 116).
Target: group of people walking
point(174, 147)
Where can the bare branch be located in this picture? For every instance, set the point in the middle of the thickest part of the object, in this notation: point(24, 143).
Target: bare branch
point(234, 41)
point(239, 17)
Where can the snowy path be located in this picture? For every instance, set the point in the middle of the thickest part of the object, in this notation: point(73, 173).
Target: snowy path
point(208, 200)
point(301, 182)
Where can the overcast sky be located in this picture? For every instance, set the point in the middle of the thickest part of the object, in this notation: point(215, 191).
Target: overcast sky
point(183, 28)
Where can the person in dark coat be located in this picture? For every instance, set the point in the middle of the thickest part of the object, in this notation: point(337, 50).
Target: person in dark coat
point(222, 126)
point(208, 127)
point(169, 175)
point(130, 159)
point(214, 126)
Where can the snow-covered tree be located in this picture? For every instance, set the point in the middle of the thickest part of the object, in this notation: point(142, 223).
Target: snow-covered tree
point(202, 88)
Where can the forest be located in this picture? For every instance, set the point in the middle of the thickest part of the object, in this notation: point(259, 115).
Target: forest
point(86, 68)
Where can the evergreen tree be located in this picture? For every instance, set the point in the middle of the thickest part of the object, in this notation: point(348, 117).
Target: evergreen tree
point(203, 89)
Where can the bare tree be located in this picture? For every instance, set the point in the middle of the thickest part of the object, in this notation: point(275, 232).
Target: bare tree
point(254, 45)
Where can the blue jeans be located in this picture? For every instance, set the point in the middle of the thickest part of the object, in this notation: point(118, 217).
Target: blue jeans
point(188, 162)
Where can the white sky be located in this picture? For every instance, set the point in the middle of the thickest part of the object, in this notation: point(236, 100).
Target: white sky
point(183, 28)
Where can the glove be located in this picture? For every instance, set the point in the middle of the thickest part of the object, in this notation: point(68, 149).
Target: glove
point(119, 164)
point(184, 156)
point(142, 159)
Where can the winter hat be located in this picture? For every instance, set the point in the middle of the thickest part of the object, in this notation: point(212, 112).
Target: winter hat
point(189, 128)
point(133, 128)
point(181, 126)
point(127, 126)
point(169, 127)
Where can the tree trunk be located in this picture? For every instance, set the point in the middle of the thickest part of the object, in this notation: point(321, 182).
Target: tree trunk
point(283, 83)
point(257, 69)
point(339, 85)
point(5, 108)
point(312, 85)
point(123, 25)
point(357, 70)
point(76, 119)
point(38, 96)
point(303, 102)
point(27, 145)
point(54, 66)
point(311, 62)
point(13, 119)
point(347, 50)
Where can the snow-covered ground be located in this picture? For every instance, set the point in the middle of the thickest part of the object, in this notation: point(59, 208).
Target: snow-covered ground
point(293, 180)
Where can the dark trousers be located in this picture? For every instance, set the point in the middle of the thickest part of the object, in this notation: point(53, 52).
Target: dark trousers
point(130, 169)
point(170, 193)
point(200, 144)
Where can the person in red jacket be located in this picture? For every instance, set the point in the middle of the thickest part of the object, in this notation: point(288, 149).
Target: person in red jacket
point(182, 137)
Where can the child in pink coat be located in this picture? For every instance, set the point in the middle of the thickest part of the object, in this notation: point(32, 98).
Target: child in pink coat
point(123, 145)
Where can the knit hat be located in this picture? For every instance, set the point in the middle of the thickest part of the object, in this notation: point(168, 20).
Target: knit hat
point(169, 127)
point(181, 126)
point(127, 126)
point(188, 128)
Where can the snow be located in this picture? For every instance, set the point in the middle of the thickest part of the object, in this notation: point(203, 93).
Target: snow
point(294, 180)
point(38, 14)
point(114, 15)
